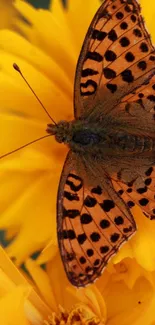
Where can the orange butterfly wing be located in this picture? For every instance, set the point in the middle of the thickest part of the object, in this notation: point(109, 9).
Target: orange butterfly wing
point(141, 192)
point(117, 56)
point(91, 226)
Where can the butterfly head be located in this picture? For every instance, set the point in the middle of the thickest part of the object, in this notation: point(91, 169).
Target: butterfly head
point(61, 131)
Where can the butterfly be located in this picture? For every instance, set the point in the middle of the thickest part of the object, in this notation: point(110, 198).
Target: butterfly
point(110, 165)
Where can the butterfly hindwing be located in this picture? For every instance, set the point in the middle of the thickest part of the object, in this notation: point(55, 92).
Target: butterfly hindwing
point(91, 226)
point(141, 191)
point(117, 56)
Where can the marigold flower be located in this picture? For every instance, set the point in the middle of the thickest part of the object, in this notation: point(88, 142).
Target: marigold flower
point(57, 302)
point(48, 62)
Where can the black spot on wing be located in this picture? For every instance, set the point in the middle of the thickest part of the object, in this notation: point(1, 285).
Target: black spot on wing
point(90, 202)
point(142, 65)
point(130, 204)
point(104, 223)
point(124, 42)
point(97, 190)
point(127, 8)
point(129, 57)
point(88, 72)
point(143, 202)
point(82, 260)
point(126, 230)
point(110, 56)
point(119, 15)
point(97, 262)
point(67, 234)
point(127, 76)
point(114, 237)
point(148, 181)
point(152, 58)
point(119, 220)
point(75, 177)
point(123, 25)
point(137, 32)
point(104, 249)
point(142, 190)
point(86, 218)
point(95, 236)
point(133, 18)
point(71, 196)
point(86, 84)
point(149, 171)
point(151, 98)
point(109, 73)
point(98, 35)
point(144, 47)
point(112, 35)
point(81, 238)
point(71, 213)
point(112, 87)
point(95, 56)
point(90, 252)
point(74, 187)
point(107, 205)
point(120, 192)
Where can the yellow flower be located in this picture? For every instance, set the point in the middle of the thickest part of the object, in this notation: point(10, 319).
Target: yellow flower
point(54, 301)
point(29, 179)
point(125, 294)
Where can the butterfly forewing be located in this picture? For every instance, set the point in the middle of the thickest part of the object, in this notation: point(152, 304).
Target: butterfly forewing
point(116, 55)
point(91, 227)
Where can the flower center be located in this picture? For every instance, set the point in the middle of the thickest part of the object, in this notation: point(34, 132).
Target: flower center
point(79, 315)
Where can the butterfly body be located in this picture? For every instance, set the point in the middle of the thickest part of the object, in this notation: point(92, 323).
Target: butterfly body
point(102, 140)
point(110, 165)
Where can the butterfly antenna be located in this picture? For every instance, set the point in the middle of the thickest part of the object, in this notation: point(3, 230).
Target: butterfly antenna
point(16, 67)
point(25, 145)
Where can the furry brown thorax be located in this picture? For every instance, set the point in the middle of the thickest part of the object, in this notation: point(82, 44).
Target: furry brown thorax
point(92, 138)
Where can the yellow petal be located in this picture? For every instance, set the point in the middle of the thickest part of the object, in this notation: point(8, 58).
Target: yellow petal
point(42, 281)
point(12, 307)
point(142, 244)
point(129, 271)
point(14, 132)
point(37, 216)
point(11, 279)
point(85, 10)
point(148, 11)
point(93, 298)
point(127, 306)
point(24, 52)
point(47, 253)
point(52, 42)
